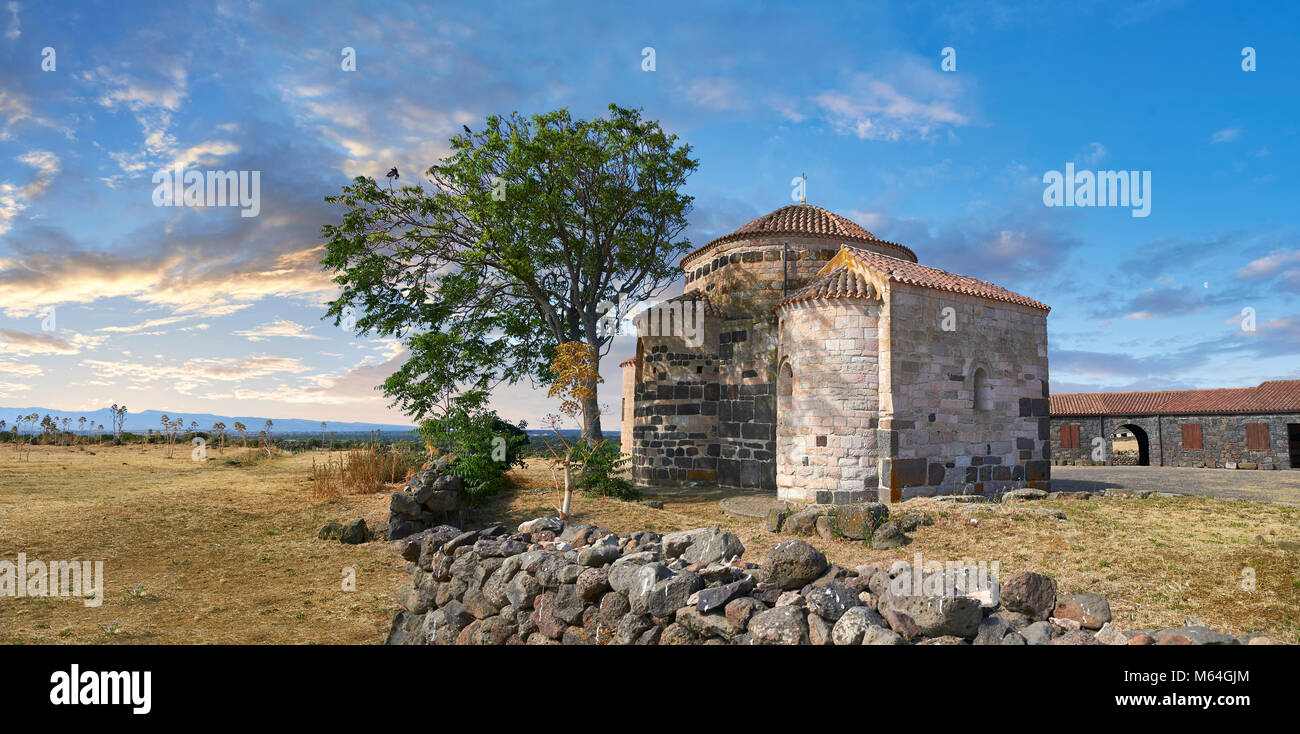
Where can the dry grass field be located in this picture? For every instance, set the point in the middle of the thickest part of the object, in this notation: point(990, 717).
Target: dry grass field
point(226, 554)
point(229, 554)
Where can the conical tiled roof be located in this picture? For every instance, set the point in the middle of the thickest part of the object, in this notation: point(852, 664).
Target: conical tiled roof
point(803, 220)
point(842, 283)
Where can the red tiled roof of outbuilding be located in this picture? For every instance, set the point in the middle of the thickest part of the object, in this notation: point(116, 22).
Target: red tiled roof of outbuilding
point(1275, 396)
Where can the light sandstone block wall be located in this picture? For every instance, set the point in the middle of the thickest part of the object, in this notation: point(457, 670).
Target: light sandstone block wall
point(627, 414)
point(826, 427)
point(932, 438)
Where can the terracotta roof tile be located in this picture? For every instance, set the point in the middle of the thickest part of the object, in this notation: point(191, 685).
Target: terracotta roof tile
point(903, 271)
point(802, 220)
point(628, 361)
point(1277, 396)
point(842, 283)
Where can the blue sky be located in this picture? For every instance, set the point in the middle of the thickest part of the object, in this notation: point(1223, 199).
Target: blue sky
point(202, 310)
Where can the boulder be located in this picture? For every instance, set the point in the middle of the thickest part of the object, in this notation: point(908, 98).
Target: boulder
point(707, 625)
point(1031, 594)
point(631, 627)
point(887, 536)
point(1027, 493)
point(670, 594)
point(714, 547)
point(938, 616)
point(819, 630)
point(882, 636)
point(1109, 634)
point(775, 519)
point(592, 584)
point(717, 597)
point(1038, 633)
point(598, 555)
point(404, 503)
point(831, 601)
point(853, 624)
point(860, 521)
point(779, 626)
point(1075, 637)
point(1192, 636)
point(802, 523)
point(354, 532)
point(991, 631)
point(522, 591)
point(1091, 611)
point(791, 564)
point(740, 611)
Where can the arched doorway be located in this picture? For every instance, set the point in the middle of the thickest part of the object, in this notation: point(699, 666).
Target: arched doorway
point(1129, 446)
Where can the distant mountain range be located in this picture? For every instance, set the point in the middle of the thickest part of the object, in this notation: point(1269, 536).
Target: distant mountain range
point(146, 419)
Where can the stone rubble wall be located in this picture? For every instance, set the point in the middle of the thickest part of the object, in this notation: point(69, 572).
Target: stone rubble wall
point(431, 497)
point(549, 583)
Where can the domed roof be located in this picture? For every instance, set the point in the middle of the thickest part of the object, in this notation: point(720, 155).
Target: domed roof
point(803, 220)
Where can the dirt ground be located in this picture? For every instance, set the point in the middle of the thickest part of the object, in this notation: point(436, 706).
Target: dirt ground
point(229, 554)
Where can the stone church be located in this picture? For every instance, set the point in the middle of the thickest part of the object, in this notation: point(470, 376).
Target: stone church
point(831, 367)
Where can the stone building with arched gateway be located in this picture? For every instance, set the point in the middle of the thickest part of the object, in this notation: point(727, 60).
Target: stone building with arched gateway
point(809, 357)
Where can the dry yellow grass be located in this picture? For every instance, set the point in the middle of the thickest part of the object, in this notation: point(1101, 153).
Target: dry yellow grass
point(225, 554)
point(1157, 560)
point(229, 554)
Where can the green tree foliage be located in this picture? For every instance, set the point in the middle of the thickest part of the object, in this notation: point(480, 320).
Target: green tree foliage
point(521, 240)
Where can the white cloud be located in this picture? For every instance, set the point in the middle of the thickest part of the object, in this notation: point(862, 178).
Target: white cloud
point(873, 108)
point(277, 330)
point(14, 30)
point(14, 199)
point(1226, 135)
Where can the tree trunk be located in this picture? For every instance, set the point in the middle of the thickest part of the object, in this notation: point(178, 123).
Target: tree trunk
point(591, 432)
point(568, 489)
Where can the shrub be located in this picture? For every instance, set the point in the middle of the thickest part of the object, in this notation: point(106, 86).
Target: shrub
point(485, 446)
point(602, 471)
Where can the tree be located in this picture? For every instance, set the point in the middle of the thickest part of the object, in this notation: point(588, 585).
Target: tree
point(81, 428)
point(268, 445)
point(118, 416)
point(219, 430)
point(576, 375)
point(529, 231)
point(241, 429)
point(170, 430)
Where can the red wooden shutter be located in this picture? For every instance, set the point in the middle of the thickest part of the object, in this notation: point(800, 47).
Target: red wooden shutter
point(1192, 436)
point(1069, 437)
point(1257, 436)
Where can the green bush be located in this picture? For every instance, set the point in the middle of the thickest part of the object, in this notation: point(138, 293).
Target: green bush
point(485, 446)
point(603, 466)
